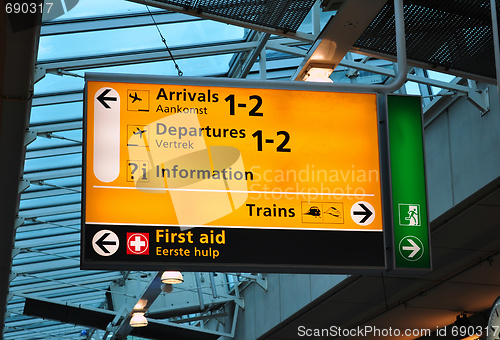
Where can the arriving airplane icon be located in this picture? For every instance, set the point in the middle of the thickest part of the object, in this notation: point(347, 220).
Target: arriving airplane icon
point(135, 97)
point(139, 102)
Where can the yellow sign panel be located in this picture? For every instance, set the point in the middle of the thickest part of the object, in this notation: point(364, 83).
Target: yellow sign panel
point(192, 155)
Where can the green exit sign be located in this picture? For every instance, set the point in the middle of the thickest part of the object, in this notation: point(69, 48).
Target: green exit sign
point(407, 170)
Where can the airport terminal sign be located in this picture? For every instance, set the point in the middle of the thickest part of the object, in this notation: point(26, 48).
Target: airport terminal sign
point(409, 201)
point(216, 174)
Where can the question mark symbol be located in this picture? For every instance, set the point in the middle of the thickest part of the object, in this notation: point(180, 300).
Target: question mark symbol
point(134, 166)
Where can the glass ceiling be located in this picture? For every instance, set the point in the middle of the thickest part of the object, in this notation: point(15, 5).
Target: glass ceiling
point(47, 263)
point(118, 37)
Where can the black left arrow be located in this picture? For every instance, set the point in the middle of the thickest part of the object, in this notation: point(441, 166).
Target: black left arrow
point(101, 243)
point(102, 98)
point(367, 212)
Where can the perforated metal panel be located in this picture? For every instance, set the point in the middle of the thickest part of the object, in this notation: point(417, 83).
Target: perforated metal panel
point(453, 34)
point(286, 15)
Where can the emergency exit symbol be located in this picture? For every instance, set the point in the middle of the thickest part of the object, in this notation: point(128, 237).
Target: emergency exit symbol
point(409, 214)
point(137, 171)
point(138, 243)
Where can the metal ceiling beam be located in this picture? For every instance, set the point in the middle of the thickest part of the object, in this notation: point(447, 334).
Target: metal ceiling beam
point(480, 99)
point(245, 60)
point(116, 22)
point(340, 33)
point(55, 127)
point(51, 193)
point(427, 66)
point(100, 318)
point(28, 285)
point(61, 98)
point(66, 273)
point(53, 174)
point(153, 55)
point(51, 330)
point(50, 241)
point(148, 296)
point(17, 64)
point(42, 224)
point(22, 321)
point(145, 56)
point(49, 266)
point(297, 35)
point(276, 46)
point(53, 310)
point(55, 210)
point(57, 151)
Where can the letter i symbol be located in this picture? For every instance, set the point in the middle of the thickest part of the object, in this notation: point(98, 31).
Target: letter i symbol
point(144, 170)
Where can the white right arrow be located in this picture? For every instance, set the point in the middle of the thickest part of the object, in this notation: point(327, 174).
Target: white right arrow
point(413, 247)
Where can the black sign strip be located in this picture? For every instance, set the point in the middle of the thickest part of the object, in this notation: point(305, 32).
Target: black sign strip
point(236, 249)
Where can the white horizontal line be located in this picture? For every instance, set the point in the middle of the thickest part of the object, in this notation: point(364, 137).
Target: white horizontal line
point(186, 227)
point(236, 191)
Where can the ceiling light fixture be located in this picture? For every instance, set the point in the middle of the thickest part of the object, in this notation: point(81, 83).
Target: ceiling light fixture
point(172, 277)
point(141, 305)
point(138, 320)
point(319, 73)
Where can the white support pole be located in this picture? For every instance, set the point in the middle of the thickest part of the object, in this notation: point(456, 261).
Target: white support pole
point(496, 43)
point(263, 64)
point(316, 18)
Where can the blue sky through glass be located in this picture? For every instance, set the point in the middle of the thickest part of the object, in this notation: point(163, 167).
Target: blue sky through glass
point(93, 8)
point(136, 39)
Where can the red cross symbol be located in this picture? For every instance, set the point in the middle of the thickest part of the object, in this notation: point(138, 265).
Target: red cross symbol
point(138, 243)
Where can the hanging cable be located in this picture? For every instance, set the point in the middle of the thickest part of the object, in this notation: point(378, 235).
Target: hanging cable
point(179, 72)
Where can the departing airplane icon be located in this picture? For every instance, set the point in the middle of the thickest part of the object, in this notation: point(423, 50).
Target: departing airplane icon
point(139, 132)
point(135, 97)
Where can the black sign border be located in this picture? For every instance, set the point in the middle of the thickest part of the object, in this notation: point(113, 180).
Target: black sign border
point(371, 262)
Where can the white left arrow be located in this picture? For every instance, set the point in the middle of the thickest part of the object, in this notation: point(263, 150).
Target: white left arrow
point(414, 247)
